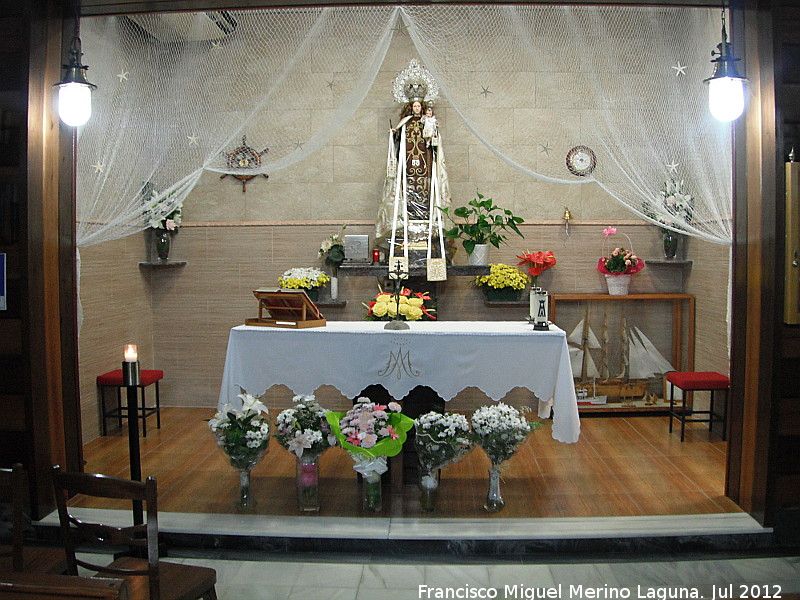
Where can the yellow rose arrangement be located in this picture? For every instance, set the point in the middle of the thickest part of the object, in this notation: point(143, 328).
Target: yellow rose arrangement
point(503, 276)
point(303, 277)
point(411, 306)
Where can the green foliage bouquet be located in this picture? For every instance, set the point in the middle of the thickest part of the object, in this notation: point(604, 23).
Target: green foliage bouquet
point(482, 223)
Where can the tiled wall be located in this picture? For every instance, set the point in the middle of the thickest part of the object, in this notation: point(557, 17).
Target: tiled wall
point(181, 317)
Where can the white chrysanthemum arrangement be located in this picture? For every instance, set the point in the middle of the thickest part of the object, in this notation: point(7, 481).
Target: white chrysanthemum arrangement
point(500, 429)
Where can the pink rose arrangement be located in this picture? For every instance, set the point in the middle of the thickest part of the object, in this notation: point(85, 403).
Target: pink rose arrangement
point(621, 260)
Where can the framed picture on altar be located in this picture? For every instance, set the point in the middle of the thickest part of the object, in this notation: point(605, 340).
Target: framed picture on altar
point(356, 249)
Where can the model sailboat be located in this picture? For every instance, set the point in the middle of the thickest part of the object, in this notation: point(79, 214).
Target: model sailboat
point(638, 362)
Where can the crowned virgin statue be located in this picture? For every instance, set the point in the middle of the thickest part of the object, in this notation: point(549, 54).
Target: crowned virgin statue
point(409, 220)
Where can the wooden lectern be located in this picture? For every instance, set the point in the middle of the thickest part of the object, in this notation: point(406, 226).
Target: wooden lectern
point(286, 308)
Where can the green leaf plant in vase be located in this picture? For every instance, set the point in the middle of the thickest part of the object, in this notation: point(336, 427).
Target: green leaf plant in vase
point(370, 433)
point(309, 279)
point(619, 265)
point(243, 434)
point(440, 439)
point(503, 283)
point(305, 432)
point(481, 223)
point(332, 250)
point(500, 430)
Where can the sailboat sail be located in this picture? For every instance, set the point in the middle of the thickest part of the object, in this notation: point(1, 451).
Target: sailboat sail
point(580, 340)
point(661, 364)
point(644, 359)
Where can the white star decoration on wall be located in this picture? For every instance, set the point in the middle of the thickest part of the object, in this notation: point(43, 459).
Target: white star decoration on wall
point(680, 69)
point(123, 76)
point(192, 140)
point(545, 148)
point(298, 145)
point(673, 166)
point(98, 167)
point(486, 91)
point(331, 85)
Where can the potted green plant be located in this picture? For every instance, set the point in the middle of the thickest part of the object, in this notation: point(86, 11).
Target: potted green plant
point(483, 223)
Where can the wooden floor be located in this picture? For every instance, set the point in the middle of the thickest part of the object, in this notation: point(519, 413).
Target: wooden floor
point(622, 466)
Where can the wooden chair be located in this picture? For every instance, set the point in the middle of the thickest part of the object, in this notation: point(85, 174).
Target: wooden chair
point(47, 586)
point(148, 578)
point(17, 556)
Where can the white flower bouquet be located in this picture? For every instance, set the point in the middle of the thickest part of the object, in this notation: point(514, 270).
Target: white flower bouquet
point(303, 430)
point(441, 439)
point(161, 213)
point(500, 429)
point(243, 434)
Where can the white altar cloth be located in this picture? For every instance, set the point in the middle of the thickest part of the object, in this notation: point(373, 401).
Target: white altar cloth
point(448, 356)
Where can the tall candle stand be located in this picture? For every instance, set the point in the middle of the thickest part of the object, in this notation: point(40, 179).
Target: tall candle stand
point(131, 380)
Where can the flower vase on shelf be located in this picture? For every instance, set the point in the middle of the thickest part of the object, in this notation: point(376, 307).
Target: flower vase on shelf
point(163, 242)
point(371, 494)
point(618, 284)
point(334, 283)
point(428, 488)
point(671, 240)
point(308, 483)
point(313, 293)
point(494, 501)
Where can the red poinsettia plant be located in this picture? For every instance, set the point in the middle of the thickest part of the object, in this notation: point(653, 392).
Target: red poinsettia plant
point(621, 261)
point(537, 262)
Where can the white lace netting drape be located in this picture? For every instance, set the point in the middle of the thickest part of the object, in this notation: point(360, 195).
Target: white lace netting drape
point(167, 108)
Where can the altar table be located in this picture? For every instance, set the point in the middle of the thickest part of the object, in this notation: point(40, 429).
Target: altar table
point(448, 357)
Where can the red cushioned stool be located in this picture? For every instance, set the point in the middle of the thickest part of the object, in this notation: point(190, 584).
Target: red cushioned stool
point(114, 379)
point(689, 381)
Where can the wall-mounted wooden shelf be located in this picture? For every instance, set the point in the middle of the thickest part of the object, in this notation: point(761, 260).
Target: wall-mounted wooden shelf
point(666, 262)
point(383, 270)
point(167, 264)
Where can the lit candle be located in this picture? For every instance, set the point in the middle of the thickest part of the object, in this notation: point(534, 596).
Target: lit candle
point(130, 353)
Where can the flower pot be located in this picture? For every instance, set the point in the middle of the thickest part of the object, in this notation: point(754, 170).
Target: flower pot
point(618, 284)
point(313, 293)
point(505, 294)
point(671, 240)
point(479, 255)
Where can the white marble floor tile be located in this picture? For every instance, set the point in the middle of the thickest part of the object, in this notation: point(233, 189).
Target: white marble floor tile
point(323, 593)
point(326, 575)
point(707, 572)
point(279, 573)
point(227, 570)
point(766, 570)
point(389, 576)
point(244, 591)
point(457, 576)
point(583, 574)
point(388, 594)
point(630, 574)
point(520, 575)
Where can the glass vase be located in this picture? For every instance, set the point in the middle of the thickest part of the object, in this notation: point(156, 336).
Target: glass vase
point(670, 244)
point(308, 484)
point(163, 243)
point(244, 461)
point(371, 494)
point(494, 501)
point(244, 488)
point(428, 490)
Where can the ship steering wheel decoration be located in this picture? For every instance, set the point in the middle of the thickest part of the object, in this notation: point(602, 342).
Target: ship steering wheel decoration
point(244, 157)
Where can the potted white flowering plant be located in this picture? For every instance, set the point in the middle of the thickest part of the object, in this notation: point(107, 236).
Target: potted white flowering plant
point(499, 429)
point(673, 211)
point(440, 439)
point(243, 434)
point(304, 431)
point(309, 279)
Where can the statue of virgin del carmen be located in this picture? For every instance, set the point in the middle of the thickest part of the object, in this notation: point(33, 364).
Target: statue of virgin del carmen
point(409, 225)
